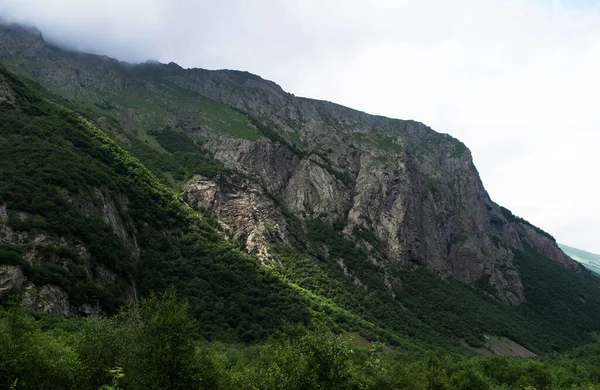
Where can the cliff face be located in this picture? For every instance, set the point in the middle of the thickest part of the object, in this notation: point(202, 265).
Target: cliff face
point(7, 96)
point(417, 190)
point(243, 209)
point(51, 298)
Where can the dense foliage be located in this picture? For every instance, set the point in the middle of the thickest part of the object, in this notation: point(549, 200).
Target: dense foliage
point(436, 312)
point(59, 174)
point(53, 165)
point(570, 309)
point(154, 345)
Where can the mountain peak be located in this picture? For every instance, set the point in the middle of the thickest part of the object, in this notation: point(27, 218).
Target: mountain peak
point(382, 217)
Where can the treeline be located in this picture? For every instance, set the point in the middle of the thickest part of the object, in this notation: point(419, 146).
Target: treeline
point(156, 345)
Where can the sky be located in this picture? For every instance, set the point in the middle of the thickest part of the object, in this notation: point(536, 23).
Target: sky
point(516, 80)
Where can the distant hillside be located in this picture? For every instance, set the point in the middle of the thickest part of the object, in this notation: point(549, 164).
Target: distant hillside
point(589, 260)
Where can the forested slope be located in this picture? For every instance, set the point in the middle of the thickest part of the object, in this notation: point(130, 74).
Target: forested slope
point(286, 224)
point(84, 216)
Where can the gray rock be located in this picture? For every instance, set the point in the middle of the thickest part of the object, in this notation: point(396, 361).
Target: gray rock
point(48, 299)
point(3, 214)
point(53, 300)
point(11, 279)
point(7, 96)
point(107, 208)
point(416, 189)
point(244, 210)
point(9, 237)
point(311, 190)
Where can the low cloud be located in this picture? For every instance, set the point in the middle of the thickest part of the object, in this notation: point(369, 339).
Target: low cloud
point(515, 80)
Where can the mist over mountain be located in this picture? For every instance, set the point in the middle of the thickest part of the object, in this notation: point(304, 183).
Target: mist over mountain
point(516, 89)
point(269, 213)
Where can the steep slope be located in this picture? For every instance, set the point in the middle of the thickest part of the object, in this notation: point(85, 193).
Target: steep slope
point(415, 189)
point(85, 228)
point(349, 208)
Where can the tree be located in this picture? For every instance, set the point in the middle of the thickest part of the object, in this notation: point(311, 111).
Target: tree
point(161, 351)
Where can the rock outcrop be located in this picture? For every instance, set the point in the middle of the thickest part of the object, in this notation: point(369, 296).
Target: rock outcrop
point(37, 248)
point(109, 210)
point(244, 210)
point(545, 245)
point(11, 279)
point(417, 190)
point(53, 300)
point(7, 96)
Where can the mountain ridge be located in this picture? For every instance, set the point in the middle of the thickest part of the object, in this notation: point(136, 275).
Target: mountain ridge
point(362, 210)
point(260, 98)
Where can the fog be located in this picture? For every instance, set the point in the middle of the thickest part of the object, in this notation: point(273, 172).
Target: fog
point(515, 80)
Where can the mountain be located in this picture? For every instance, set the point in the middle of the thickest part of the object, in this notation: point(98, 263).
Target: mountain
point(262, 208)
point(590, 260)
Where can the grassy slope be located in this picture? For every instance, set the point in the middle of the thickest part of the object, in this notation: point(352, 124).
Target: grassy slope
point(589, 260)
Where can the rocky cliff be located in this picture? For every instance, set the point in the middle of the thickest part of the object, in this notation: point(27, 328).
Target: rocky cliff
point(416, 190)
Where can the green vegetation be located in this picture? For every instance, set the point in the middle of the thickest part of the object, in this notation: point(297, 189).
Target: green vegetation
point(157, 345)
point(436, 188)
point(459, 149)
point(48, 166)
point(439, 313)
point(570, 309)
point(269, 132)
point(53, 164)
point(241, 325)
point(377, 140)
point(183, 159)
point(159, 110)
point(590, 260)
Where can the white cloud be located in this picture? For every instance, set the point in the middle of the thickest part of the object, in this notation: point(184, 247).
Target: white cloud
point(517, 81)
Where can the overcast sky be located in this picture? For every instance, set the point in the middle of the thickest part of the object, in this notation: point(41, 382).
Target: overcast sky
point(516, 80)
